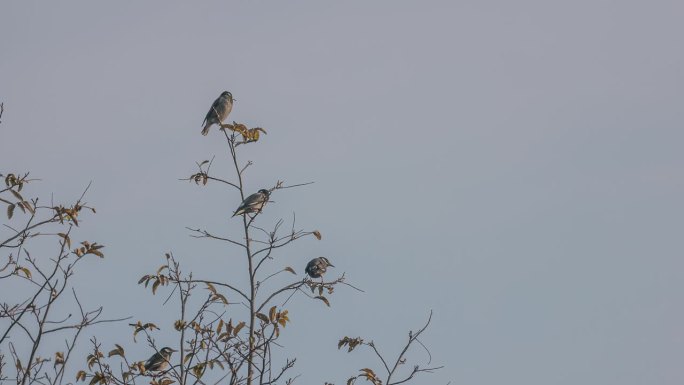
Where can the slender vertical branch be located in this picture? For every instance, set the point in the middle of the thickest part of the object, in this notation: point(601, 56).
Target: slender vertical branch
point(248, 250)
point(183, 301)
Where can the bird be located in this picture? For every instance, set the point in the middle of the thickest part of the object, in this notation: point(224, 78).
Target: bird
point(159, 360)
point(253, 203)
point(219, 111)
point(317, 267)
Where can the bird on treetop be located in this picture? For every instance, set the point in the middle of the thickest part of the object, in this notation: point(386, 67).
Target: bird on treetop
point(253, 203)
point(317, 267)
point(219, 111)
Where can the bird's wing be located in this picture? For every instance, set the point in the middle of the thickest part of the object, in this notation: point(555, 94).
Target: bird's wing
point(211, 115)
point(221, 108)
point(249, 201)
point(215, 111)
point(155, 358)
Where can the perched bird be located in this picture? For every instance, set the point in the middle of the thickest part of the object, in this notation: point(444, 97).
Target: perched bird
point(219, 111)
point(160, 360)
point(317, 267)
point(253, 203)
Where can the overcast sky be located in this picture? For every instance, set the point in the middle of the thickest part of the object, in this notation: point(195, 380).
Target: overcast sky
point(516, 167)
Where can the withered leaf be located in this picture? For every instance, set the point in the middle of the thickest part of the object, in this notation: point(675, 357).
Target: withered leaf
point(81, 375)
point(66, 239)
point(118, 351)
point(24, 270)
point(17, 195)
point(238, 327)
point(220, 297)
point(322, 298)
point(262, 317)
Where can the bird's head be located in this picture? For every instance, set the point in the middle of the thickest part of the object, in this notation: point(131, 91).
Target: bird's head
point(167, 351)
point(265, 192)
point(327, 262)
point(226, 94)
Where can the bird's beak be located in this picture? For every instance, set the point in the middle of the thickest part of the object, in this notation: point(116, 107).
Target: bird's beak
point(174, 350)
point(330, 264)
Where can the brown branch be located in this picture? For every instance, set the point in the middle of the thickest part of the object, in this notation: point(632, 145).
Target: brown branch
point(382, 359)
point(51, 300)
point(39, 291)
point(297, 285)
point(412, 338)
point(206, 234)
point(215, 283)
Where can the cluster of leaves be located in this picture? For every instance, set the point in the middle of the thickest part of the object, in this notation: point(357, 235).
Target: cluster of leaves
point(14, 184)
point(368, 374)
point(69, 214)
point(139, 327)
point(350, 343)
point(248, 134)
point(275, 319)
point(87, 248)
point(156, 279)
point(320, 287)
point(202, 176)
point(99, 371)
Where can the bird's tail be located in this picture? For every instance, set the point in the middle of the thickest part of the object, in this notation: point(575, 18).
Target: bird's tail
point(238, 212)
point(205, 130)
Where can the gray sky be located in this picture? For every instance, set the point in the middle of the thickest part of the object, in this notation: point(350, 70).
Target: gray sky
point(515, 166)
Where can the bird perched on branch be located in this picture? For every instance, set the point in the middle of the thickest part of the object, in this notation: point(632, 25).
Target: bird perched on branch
point(253, 203)
point(219, 111)
point(317, 267)
point(160, 360)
